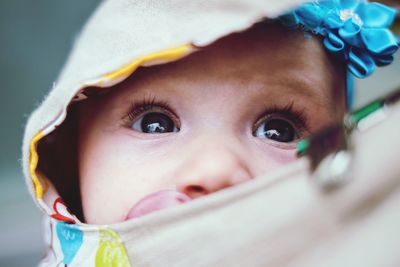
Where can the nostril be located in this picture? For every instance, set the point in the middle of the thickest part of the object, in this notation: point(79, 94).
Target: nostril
point(195, 189)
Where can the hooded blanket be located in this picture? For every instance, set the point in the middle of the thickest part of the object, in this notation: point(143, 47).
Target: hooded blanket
point(355, 226)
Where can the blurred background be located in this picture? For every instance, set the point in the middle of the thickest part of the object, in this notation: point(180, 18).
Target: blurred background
point(35, 38)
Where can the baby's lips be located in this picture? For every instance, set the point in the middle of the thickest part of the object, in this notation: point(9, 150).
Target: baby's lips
point(157, 201)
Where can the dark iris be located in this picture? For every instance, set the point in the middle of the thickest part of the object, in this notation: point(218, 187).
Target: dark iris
point(157, 123)
point(276, 129)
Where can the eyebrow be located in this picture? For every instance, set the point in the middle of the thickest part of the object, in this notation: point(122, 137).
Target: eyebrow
point(306, 87)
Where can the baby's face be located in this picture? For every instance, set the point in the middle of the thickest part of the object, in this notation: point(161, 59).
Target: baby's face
point(215, 119)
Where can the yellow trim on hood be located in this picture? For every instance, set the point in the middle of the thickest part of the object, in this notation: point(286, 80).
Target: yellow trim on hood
point(33, 162)
point(162, 56)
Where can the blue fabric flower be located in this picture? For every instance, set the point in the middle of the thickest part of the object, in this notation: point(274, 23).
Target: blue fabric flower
point(355, 30)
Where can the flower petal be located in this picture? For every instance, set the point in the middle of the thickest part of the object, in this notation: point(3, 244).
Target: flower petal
point(328, 5)
point(376, 15)
point(360, 64)
point(349, 4)
point(311, 16)
point(383, 60)
point(350, 33)
point(333, 43)
point(380, 41)
point(333, 21)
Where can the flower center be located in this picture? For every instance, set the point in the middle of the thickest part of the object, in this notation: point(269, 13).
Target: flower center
point(347, 14)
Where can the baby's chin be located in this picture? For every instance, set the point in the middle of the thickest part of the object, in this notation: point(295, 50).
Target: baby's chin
point(156, 201)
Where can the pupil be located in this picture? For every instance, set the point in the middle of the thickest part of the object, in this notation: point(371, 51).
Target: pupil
point(157, 123)
point(279, 130)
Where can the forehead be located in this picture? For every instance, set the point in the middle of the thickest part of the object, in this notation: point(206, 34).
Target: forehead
point(266, 59)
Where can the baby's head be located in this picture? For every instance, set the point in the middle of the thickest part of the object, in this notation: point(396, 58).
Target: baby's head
point(224, 115)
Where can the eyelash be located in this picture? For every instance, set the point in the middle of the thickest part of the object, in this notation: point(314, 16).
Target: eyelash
point(288, 112)
point(140, 108)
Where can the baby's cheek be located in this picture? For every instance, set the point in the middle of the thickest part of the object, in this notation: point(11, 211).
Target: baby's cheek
point(272, 157)
point(286, 156)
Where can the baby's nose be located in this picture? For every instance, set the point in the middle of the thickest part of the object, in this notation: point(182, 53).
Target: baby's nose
point(210, 170)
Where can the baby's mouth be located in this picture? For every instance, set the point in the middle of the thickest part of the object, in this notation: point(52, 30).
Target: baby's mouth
point(157, 201)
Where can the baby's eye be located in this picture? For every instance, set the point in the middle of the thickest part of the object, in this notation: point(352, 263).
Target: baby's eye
point(154, 123)
point(277, 129)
